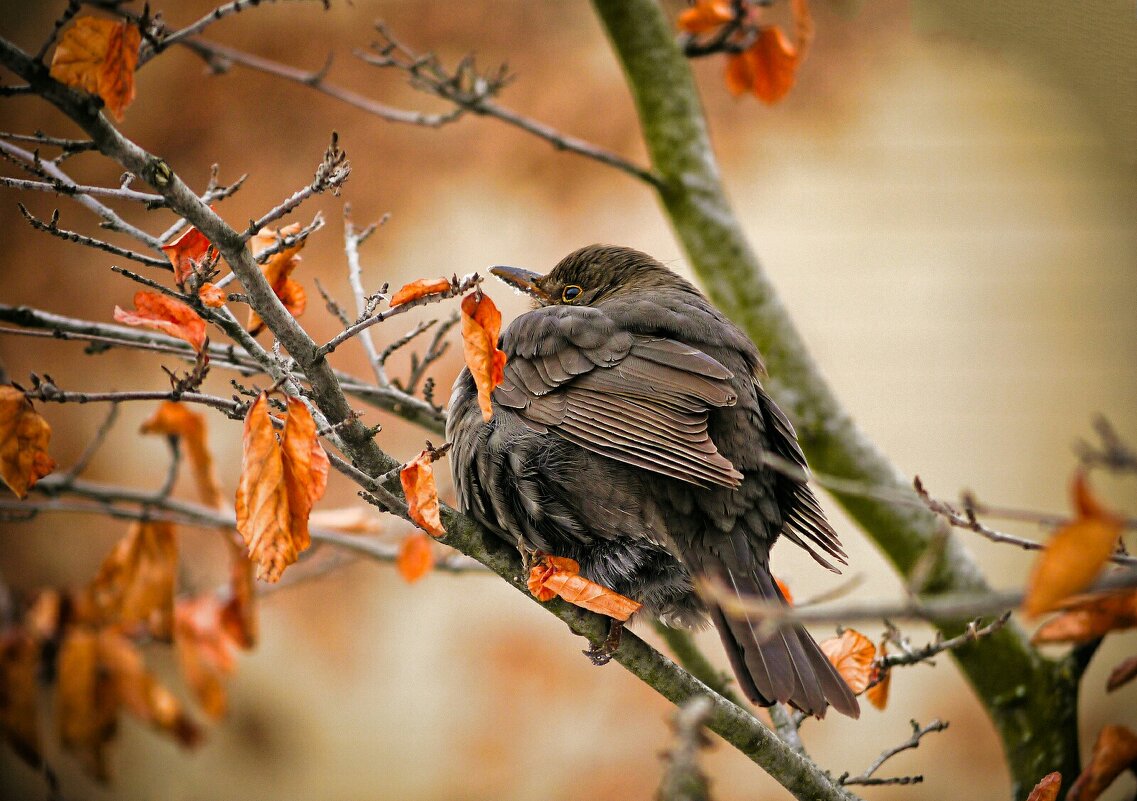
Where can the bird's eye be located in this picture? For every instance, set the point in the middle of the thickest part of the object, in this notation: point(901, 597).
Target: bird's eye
point(570, 293)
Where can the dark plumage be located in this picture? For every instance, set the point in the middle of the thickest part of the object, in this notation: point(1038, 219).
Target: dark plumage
point(628, 435)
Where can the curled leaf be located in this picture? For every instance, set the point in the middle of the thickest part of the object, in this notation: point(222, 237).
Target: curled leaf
point(205, 652)
point(705, 16)
point(99, 56)
point(177, 420)
point(305, 469)
point(852, 654)
point(277, 271)
point(165, 314)
point(1047, 789)
point(1090, 619)
point(86, 703)
point(212, 296)
point(1075, 555)
point(416, 557)
point(1114, 752)
point(19, 691)
point(422, 496)
point(24, 437)
point(187, 252)
point(880, 679)
point(239, 614)
point(135, 585)
point(481, 326)
point(560, 576)
point(420, 289)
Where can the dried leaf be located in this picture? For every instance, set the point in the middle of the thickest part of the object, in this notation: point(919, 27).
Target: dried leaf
point(165, 314)
point(416, 557)
point(24, 437)
point(177, 420)
point(559, 576)
point(305, 470)
point(187, 252)
point(1114, 752)
point(772, 61)
point(1047, 789)
point(420, 289)
point(1122, 674)
point(44, 614)
point(239, 614)
point(99, 56)
point(140, 693)
point(422, 496)
point(277, 270)
point(1090, 619)
point(87, 704)
point(204, 650)
point(705, 15)
point(19, 691)
point(481, 325)
point(880, 679)
point(135, 585)
point(852, 654)
point(212, 296)
point(263, 518)
point(1075, 555)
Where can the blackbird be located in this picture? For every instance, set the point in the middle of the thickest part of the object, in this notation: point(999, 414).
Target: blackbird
point(628, 434)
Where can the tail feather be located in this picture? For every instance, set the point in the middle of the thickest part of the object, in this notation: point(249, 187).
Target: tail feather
point(787, 665)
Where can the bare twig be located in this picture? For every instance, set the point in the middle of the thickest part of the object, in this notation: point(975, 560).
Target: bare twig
point(60, 188)
point(911, 656)
point(866, 777)
point(93, 446)
point(194, 28)
point(683, 780)
point(91, 242)
point(351, 241)
point(1113, 454)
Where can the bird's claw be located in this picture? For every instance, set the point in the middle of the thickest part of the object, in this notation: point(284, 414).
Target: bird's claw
point(601, 653)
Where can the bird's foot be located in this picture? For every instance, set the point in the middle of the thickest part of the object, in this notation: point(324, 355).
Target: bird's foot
point(601, 653)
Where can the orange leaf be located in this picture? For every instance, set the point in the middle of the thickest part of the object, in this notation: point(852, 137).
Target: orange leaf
point(1114, 751)
point(481, 325)
point(803, 27)
point(135, 585)
point(239, 614)
point(422, 496)
point(416, 557)
point(879, 682)
point(772, 61)
point(277, 270)
point(204, 651)
point(1075, 554)
point(166, 314)
point(1122, 674)
point(420, 289)
point(186, 253)
point(19, 691)
point(177, 420)
point(1090, 619)
point(136, 689)
point(852, 654)
point(705, 15)
point(1047, 789)
point(87, 705)
point(305, 470)
point(559, 576)
point(99, 56)
point(262, 500)
point(24, 436)
point(212, 296)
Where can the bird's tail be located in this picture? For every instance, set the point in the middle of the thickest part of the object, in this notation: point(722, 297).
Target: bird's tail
point(785, 665)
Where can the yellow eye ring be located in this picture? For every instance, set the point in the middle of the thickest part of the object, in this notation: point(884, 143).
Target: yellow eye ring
point(570, 293)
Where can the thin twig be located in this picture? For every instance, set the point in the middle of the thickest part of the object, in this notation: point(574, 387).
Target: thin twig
point(866, 778)
point(351, 241)
point(93, 446)
point(91, 242)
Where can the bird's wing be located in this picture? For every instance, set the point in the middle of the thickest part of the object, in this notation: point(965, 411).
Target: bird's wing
point(637, 399)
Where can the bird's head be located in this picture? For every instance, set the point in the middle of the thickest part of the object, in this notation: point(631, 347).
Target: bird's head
point(591, 275)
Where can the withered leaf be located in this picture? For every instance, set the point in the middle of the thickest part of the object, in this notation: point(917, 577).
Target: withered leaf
point(19, 691)
point(1090, 619)
point(769, 67)
point(880, 679)
point(705, 16)
point(178, 420)
point(165, 314)
point(1047, 789)
point(422, 496)
point(852, 654)
point(212, 296)
point(1114, 752)
point(420, 289)
point(481, 326)
point(24, 437)
point(99, 56)
point(560, 576)
point(135, 585)
point(87, 704)
point(204, 651)
point(277, 271)
point(1075, 555)
point(186, 252)
point(239, 614)
point(415, 558)
point(305, 469)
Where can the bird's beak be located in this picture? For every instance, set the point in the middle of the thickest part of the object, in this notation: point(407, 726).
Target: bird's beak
point(523, 280)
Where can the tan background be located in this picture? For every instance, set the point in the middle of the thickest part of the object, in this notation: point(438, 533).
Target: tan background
point(946, 202)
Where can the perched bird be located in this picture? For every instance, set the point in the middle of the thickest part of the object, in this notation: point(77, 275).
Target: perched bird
point(629, 435)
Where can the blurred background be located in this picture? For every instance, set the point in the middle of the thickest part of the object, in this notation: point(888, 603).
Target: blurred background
point(945, 201)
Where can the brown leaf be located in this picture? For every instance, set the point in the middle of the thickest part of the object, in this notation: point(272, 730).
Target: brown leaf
point(420, 289)
point(305, 470)
point(87, 704)
point(422, 496)
point(139, 692)
point(135, 585)
point(177, 420)
point(165, 314)
point(1047, 789)
point(99, 56)
point(416, 557)
point(239, 614)
point(560, 576)
point(19, 692)
point(187, 252)
point(1122, 674)
point(1090, 619)
point(772, 62)
point(705, 15)
point(880, 679)
point(1114, 752)
point(852, 654)
point(24, 437)
point(204, 651)
point(1075, 554)
point(263, 518)
point(277, 270)
point(481, 325)
point(212, 296)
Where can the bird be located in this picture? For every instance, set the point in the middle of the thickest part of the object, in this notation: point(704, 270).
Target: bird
point(629, 433)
